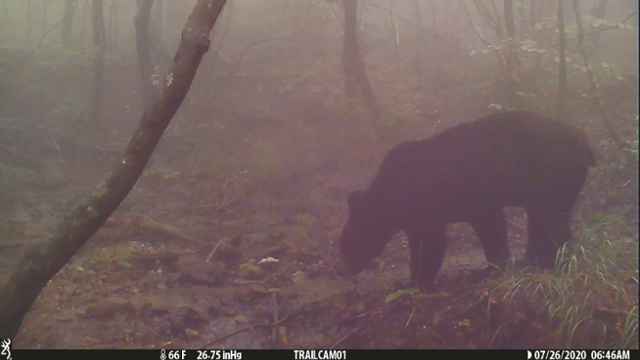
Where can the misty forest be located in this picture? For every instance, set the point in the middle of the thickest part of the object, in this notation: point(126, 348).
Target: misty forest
point(177, 174)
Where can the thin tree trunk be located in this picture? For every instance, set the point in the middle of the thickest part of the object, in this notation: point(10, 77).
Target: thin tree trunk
point(394, 32)
point(522, 20)
point(159, 30)
point(533, 18)
point(617, 139)
point(348, 56)
point(510, 26)
point(115, 27)
point(352, 61)
point(97, 20)
point(41, 262)
point(562, 71)
point(436, 44)
point(143, 46)
point(418, 62)
point(109, 29)
point(82, 19)
point(599, 12)
point(67, 23)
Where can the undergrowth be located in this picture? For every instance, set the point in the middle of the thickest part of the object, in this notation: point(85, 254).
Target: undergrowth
point(593, 302)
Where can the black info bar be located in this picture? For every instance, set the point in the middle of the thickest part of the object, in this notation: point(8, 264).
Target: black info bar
point(212, 354)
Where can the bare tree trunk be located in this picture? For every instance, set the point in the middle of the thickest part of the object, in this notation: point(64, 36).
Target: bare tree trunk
point(97, 20)
point(67, 22)
point(617, 139)
point(533, 18)
point(522, 20)
point(41, 262)
point(156, 44)
point(435, 44)
point(562, 71)
point(599, 12)
point(355, 72)
point(394, 32)
point(116, 38)
point(143, 46)
point(511, 59)
point(82, 19)
point(348, 56)
point(159, 29)
point(109, 29)
point(418, 61)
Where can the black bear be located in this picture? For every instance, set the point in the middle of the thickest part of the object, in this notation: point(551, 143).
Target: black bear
point(469, 173)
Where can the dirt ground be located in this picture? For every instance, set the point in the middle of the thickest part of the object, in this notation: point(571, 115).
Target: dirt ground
point(137, 285)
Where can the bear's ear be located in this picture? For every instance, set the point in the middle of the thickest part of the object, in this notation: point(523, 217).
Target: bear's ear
point(355, 199)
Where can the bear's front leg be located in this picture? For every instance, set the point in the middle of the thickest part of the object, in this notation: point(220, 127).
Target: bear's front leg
point(427, 248)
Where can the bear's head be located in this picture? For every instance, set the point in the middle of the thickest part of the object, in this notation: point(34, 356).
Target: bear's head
point(367, 230)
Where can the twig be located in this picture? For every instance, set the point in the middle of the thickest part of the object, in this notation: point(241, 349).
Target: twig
point(498, 54)
point(243, 51)
point(600, 30)
point(416, 25)
point(495, 335)
point(213, 251)
point(342, 339)
point(275, 314)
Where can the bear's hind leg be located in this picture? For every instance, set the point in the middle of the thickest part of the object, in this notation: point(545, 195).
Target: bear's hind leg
point(490, 226)
point(549, 230)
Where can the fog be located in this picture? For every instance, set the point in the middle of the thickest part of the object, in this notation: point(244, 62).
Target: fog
point(234, 226)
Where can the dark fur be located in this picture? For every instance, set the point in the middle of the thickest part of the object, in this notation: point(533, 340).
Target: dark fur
point(469, 173)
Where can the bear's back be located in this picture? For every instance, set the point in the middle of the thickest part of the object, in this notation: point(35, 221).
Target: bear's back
point(519, 133)
point(513, 147)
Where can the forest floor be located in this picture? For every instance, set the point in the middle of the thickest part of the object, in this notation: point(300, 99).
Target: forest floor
point(229, 238)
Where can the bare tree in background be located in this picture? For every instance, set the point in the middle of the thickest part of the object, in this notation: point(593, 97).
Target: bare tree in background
point(418, 61)
point(525, 30)
point(157, 53)
point(158, 19)
point(67, 22)
point(97, 20)
point(533, 19)
point(350, 42)
point(562, 70)
point(143, 47)
point(538, 10)
point(83, 16)
point(394, 32)
point(599, 12)
point(112, 28)
point(437, 59)
point(617, 139)
point(510, 58)
point(42, 261)
point(354, 71)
